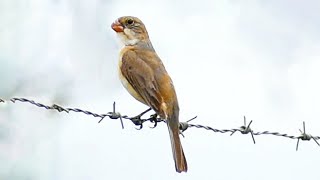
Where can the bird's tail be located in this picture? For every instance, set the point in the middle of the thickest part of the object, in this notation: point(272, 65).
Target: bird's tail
point(177, 150)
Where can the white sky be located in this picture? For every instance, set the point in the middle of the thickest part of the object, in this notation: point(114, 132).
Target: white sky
point(227, 59)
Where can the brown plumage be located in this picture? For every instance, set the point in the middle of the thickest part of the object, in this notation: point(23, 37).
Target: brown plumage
point(143, 74)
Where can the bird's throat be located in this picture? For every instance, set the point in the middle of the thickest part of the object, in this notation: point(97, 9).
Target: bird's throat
point(126, 41)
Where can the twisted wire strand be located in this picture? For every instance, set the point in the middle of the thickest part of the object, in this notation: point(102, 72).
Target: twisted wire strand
point(138, 120)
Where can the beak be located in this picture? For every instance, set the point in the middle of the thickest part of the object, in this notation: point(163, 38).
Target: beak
point(116, 26)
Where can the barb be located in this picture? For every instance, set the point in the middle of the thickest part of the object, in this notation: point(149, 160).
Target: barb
point(114, 115)
point(138, 121)
point(245, 129)
point(305, 137)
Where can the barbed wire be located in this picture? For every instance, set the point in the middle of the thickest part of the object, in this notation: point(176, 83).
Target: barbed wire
point(138, 121)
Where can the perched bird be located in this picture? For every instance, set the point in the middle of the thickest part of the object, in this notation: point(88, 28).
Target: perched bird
point(143, 74)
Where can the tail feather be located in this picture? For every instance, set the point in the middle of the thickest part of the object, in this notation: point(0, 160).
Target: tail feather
point(177, 150)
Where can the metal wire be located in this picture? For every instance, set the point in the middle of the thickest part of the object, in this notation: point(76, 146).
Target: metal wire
point(138, 121)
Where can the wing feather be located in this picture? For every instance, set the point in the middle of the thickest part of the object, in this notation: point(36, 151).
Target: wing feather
point(140, 74)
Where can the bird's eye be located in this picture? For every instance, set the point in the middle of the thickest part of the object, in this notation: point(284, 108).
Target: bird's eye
point(130, 21)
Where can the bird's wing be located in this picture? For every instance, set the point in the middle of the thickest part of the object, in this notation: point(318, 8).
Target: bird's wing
point(140, 71)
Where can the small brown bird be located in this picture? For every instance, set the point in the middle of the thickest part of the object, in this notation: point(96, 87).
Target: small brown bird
point(143, 74)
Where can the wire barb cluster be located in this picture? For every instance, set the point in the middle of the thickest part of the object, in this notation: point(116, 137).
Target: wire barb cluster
point(138, 121)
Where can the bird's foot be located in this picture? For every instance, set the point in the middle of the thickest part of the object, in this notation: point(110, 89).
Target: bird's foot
point(137, 119)
point(153, 119)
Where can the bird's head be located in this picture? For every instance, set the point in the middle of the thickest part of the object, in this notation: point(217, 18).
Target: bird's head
point(131, 30)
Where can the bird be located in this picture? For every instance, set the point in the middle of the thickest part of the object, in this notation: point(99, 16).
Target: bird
point(143, 74)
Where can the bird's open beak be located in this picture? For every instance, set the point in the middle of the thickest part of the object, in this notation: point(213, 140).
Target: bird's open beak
point(116, 26)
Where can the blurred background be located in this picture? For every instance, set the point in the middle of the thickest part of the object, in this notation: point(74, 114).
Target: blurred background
point(227, 59)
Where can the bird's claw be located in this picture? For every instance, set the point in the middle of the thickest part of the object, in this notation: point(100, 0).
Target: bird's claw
point(137, 121)
point(153, 119)
point(141, 126)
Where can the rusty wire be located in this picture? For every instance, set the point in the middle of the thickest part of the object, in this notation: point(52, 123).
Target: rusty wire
point(138, 121)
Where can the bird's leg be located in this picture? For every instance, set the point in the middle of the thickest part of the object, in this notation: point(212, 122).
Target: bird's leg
point(137, 119)
point(141, 114)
